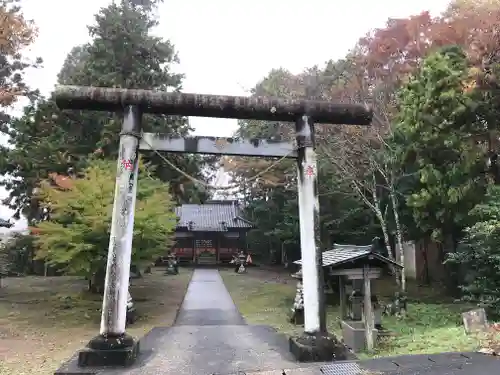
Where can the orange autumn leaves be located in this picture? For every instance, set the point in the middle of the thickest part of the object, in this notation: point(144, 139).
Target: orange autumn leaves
point(391, 53)
point(16, 33)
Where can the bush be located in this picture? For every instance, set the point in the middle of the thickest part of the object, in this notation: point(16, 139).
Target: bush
point(479, 254)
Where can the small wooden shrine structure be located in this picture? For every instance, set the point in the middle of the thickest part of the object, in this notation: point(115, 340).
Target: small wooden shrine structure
point(357, 266)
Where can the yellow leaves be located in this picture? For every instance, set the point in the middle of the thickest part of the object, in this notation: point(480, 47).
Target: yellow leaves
point(78, 232)
point(246, 168)
point(469, 85)
point(470, 82)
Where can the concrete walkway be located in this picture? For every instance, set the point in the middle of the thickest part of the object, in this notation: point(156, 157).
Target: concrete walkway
point(207, 302)
point(211, 337)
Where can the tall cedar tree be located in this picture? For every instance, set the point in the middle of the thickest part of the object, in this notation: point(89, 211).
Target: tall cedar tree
point(122, 53)
point(435, 136)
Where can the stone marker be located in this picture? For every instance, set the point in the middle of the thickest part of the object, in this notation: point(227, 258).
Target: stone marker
point(131, 311)
point(297, 316)
point(173, 268)
point(242, 268)
point(475, 321)
point(355, 305)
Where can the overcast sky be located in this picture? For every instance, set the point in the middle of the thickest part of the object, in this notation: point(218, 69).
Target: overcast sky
point(224, 46)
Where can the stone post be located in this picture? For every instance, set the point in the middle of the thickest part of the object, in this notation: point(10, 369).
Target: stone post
point(315, 344)
point(312, 263)
point(113, 347)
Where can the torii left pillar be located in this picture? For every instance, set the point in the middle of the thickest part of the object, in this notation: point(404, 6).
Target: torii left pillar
point(113, 346)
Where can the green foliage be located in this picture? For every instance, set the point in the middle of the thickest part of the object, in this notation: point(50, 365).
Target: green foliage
point(479, 253)
point(276, 223)
point(344, 218)
point(77, 234)
point(16, 255)
point(434, 137)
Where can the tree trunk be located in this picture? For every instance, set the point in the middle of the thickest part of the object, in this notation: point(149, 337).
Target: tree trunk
point(399, 239)
point(427, 276)
point(282, 260)
point(385, 232)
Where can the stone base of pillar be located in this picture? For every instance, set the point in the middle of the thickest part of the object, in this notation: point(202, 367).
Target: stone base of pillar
point(109, 350)
point(309, 348)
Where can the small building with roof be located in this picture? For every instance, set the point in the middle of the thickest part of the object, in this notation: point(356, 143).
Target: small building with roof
point(210, 233)
point(358, 266)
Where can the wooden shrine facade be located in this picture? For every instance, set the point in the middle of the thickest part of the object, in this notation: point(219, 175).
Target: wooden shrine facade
point(210, 233)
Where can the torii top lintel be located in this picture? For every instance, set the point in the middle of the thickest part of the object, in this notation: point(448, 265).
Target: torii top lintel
point(221, 106)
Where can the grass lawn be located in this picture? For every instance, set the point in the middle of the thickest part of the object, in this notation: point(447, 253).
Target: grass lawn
point(433, 323)
point(45, 320)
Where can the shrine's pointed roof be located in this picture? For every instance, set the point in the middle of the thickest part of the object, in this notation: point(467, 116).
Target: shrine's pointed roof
point(342, 255)
point(5, 223)
point(214, 216)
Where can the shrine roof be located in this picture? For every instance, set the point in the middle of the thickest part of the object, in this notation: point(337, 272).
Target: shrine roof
point(5, 223)
point(216, 216)
point(343, 254)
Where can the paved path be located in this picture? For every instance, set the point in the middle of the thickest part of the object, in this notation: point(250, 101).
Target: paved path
point(207, 302)
point(211, 337)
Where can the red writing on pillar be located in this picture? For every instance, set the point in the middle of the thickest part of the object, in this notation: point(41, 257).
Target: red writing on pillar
point(127, 164)
point(309, 171)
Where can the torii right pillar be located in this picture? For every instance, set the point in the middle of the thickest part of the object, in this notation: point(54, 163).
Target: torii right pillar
point(315, 344)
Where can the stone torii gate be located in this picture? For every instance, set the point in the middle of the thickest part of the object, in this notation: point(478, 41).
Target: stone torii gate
point(113, 346)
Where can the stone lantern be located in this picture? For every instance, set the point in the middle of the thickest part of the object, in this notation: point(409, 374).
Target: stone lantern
point(242, 258)
point(172, 268)
point(297, 316)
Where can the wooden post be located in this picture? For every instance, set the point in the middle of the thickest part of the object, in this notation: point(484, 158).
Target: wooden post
point(218, 240)
point(368, 309)
point(194, 248)
point(342, 296)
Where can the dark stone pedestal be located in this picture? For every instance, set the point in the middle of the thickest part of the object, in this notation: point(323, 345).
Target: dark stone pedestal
point(131, 315)
point(109, 351)
point(321, 348)
point(297, 317)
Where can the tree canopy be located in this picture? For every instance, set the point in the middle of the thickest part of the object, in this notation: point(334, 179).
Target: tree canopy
point(77, 234)
point(423, 169)
point(122, 53)
point(16, 33)
point(430, 153)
